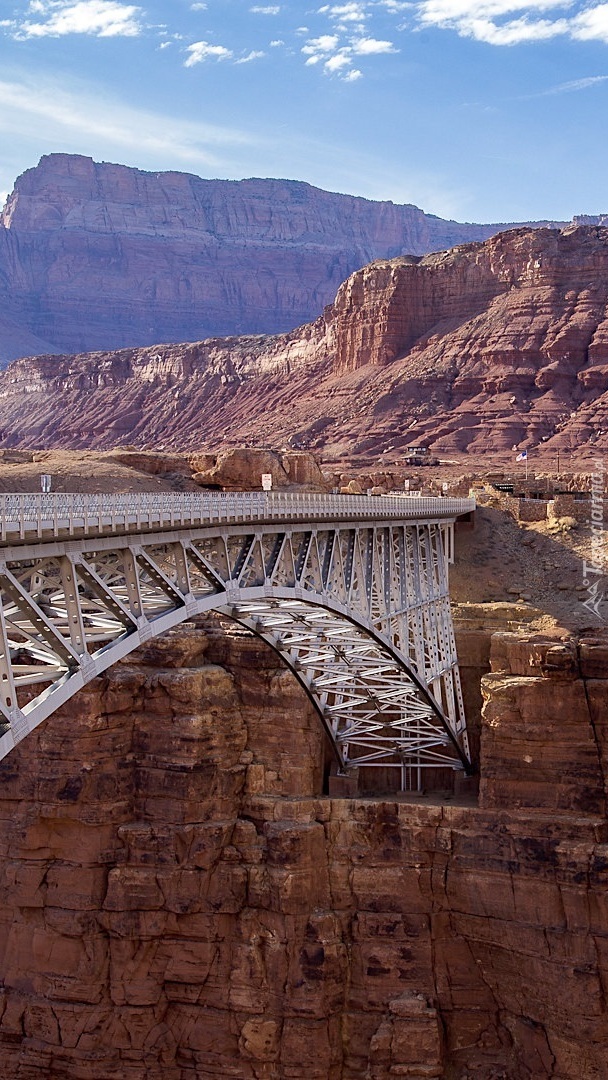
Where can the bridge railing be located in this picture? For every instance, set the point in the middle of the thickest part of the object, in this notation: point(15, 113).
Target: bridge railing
point(29, 515)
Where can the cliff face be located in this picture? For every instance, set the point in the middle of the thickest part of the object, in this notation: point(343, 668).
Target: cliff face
point(530, 296)
point(177, 900)
point(103, 256)
point(476, 349)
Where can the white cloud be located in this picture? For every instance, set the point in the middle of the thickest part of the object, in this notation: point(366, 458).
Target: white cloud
point(345, 13)
point(350, 38)
point(514, 32)
point(254, 55)
point(338, 61)
point(102, 18)
point(438, 12)
point(394, 7)
point(369, 46)
point(592, 24)
point(276, 43)
point(487, 20)
point(200, 51)
point(198, 7)
point(337, 51)
point(271, 10)
point(348, 18)
point(319, 47)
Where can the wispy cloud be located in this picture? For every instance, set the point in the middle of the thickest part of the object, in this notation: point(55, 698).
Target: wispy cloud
point(201, 51)
point(573, 86)
point(395, 7)
point(83, 119)
point(371, 46)
point(255, 54)
point(353, 12)
point(272, 9)
point(101, 18)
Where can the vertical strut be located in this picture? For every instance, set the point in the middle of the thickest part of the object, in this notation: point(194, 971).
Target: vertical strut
point(72, 604)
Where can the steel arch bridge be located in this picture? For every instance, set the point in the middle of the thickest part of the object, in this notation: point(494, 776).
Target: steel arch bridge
point(351, 591)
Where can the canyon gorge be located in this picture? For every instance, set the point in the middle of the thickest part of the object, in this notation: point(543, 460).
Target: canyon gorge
point(178, 898)
point(187, 891)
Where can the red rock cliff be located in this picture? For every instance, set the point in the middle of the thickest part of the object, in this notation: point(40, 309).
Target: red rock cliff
point(178, 901)
point(476, 349)
point(100, 256)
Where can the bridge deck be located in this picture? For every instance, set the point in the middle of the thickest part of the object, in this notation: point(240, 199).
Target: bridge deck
point(24, 517)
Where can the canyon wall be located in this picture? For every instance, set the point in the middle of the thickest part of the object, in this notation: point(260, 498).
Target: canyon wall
point(101, 256)
point(474, 350)
point(178, 899)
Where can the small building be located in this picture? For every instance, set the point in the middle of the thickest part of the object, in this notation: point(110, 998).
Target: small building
point(420, 455)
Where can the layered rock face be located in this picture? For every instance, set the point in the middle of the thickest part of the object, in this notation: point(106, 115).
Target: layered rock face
point(473, 350)
point(178, 899)
point(99, 256)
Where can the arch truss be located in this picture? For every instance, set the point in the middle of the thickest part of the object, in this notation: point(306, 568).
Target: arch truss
point(358, 609)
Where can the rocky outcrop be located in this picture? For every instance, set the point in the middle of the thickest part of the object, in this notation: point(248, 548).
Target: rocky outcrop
point(533, 754)
point(178, 899)
point(242, 469)
point(100, 256)
point(474, 350)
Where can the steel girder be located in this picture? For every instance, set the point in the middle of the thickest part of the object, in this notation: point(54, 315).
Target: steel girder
point(359, 611)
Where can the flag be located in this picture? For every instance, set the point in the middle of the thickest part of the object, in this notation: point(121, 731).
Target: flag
point(523, 456)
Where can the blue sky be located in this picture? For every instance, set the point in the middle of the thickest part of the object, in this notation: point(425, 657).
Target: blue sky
point(482, 110)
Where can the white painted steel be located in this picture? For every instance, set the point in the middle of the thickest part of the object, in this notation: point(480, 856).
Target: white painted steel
point(352, 591)
point(24, 515)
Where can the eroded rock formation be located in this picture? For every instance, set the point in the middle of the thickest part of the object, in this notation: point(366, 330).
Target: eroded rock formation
point(101, 256)
point(473, 350)
point(179, 900)
point(241, 469)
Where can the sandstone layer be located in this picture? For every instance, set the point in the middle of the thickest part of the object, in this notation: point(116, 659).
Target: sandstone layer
point(178, 899)
point(101, 256)
point(470, 351)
